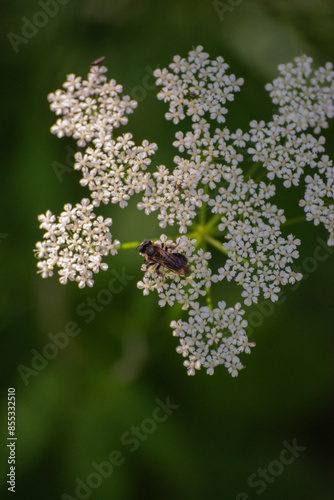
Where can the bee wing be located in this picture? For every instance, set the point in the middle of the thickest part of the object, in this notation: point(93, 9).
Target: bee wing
point(175, 261)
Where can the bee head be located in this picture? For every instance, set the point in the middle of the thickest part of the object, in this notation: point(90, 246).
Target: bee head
point(144, 245)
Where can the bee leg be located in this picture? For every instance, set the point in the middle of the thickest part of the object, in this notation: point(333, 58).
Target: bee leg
point(172, 246)
point(158, 270)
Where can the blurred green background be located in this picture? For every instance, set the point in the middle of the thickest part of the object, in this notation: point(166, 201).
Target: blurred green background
point(90, 398)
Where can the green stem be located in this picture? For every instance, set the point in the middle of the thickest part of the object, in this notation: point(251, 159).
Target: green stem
point(215, 243)
point(213, 222)
point(253, 169)
point(261, 176)
point(202, 213)
point(296, 220)
point(130, 244)
point(208, 298)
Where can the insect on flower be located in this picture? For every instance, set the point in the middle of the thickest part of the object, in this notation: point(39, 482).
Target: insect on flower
point(160, 256)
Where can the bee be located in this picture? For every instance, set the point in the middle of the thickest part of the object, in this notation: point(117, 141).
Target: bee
point(160, 256)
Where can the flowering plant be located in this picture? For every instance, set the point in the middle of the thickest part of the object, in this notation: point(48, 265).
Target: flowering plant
point(210, 197)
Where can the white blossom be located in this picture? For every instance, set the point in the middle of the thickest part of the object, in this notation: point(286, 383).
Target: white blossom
point(89, 106)
point(289, 144)
point(209, 196)
point(75, 243)
point(212, 337)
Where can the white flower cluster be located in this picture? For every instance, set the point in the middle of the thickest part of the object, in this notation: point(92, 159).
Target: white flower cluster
point(318, 199)
point(89, 106)
point(210, 337)
point(179, 195)
point(75, 242)
point(185, 290)
point(197, 86)
point(208, 196)
point(213, 337)
point(304, 97)
point(115, 169)
point(259, 257)
point(305, 100)
point(244, 225)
